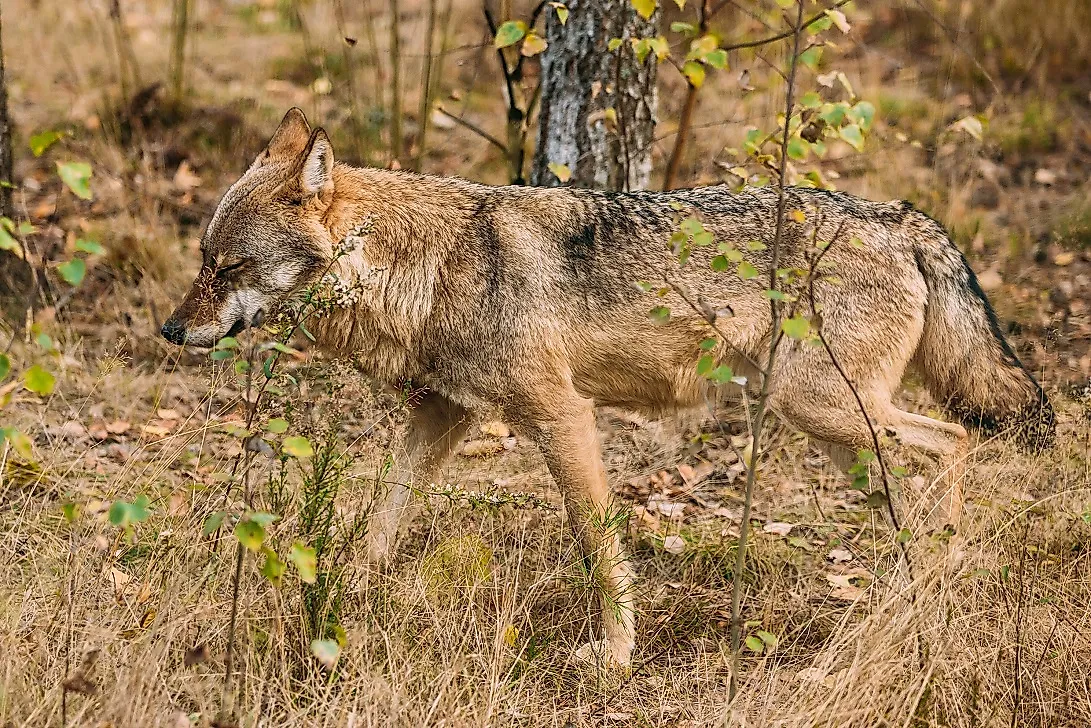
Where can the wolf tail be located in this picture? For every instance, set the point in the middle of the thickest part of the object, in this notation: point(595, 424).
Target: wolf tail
point(964, 358)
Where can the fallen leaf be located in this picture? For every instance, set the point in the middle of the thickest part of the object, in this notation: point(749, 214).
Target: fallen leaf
point(674, 545)
point(1065, 258)
point(843, 588)
point(167, 414)
point(778, 528)
point(154, 432)
point(839, 555)
point(118, 427)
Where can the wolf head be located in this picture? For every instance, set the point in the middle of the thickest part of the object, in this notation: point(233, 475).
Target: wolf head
point(265, 240)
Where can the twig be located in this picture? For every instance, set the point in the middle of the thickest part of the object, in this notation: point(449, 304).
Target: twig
point(782, 36)
point(474, 128)
point(396, 83)
point(670, 177)
point(774, 340)
point(425, 86)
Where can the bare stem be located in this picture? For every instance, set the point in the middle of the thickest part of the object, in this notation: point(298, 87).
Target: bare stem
point(767, 374)
point(685, 119)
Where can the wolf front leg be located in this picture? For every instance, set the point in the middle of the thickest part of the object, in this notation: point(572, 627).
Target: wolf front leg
point(436, 425)
point(563, 425)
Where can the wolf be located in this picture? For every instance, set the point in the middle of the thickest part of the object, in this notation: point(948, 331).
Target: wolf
point(522, 302)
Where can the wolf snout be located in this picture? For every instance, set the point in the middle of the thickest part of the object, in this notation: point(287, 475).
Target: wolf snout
point(174, 332)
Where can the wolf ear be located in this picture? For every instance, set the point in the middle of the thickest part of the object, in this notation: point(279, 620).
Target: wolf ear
point(289, 140)
point(316, 172)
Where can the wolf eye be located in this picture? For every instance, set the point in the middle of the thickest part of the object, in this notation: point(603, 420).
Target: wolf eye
point(228, 268)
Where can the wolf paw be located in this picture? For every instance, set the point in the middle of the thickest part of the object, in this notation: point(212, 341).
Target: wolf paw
point(606, 654)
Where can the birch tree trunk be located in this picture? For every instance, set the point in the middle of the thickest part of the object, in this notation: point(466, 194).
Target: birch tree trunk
point(598, 106)
point(15, 274)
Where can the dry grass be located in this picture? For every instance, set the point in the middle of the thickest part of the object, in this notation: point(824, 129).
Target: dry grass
point(477, 621)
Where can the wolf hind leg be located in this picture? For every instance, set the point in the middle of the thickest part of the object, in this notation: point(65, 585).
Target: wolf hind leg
point(819, 402)
point(436, 425)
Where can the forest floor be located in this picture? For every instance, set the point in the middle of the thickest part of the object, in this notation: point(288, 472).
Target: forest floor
point(478, 620)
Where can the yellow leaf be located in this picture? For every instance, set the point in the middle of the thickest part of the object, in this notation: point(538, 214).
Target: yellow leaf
point(533, 45)
point(644, 7)
point(511, 633)
point(695, 73)
point(798, 215)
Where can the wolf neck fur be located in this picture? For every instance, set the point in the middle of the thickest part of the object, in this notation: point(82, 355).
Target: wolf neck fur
point(398, 262)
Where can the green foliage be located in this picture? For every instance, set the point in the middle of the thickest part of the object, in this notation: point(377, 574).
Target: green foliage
point(39, 380)
point(77, 177)
point(509, 33)
point(42, 141)
point(297, 447)
point(18, 441)
point(73, 271)
point(5, 366)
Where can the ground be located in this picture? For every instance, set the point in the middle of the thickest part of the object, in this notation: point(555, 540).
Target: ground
point(122, 614)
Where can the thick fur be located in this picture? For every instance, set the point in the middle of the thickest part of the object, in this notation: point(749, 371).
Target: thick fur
point(523, 301)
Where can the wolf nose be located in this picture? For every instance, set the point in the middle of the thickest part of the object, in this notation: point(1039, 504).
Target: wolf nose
point(173, 332)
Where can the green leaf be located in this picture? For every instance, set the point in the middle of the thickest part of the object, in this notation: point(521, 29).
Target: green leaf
point(614, 44)
point(705, 364)
point(326, 652)
point(798, 148)
point(851, 134)
point(709, 344)
point(304, 559)
point(562, 12)
point(39, 381)
point(747, 270)
point(560, 171)
point(644, 8)
point(273, 568)
point(768, 638)
point(227, 342)
point(9, 243)
point(684, 28)
point(720, 263)
point(89, 246)
point(70, 511)
point(125, 514)
point(5, 366)
point(297, 447)
point(77, 176)
point(73, 271)
point(820, 24)
point(717, 59)
point(43, 141)
point(221, 355)
point(864, 113)
point(810, 57)
point(721, 374)
point(213, 523)
point(695, 73)
point(905, 535)
point(796, 327)
point(18, 441)
point(276, 425)
point(754, 644)
point(509, 33)
point(251, 534)
point(261, 517)
point(810, 100)
point(660, 314)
